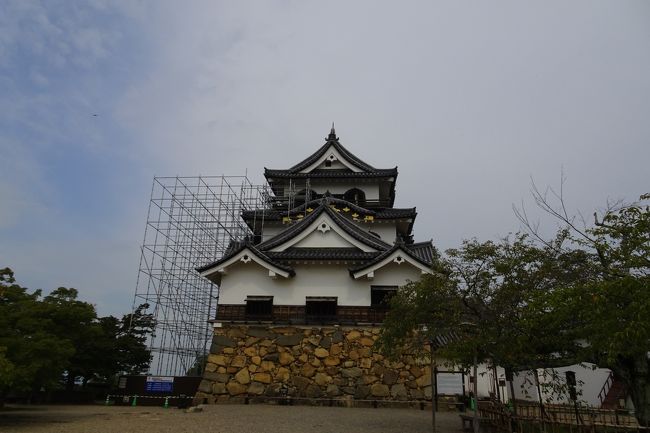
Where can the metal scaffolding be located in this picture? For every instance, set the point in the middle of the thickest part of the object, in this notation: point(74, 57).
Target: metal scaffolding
point(190, 222)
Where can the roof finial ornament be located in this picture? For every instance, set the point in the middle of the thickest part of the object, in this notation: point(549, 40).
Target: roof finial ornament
point(332, 136)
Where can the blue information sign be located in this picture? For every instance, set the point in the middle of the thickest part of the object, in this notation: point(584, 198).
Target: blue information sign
point(160, 384)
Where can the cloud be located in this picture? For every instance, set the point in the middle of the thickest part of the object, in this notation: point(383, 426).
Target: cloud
point(469, 102)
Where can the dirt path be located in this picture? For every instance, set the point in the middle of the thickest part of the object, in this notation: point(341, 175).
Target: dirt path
point(221, 419)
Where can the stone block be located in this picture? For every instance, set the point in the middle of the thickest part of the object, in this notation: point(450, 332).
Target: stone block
point(361, 392)
point(262, 377)
point(243, 376)
point(332, 360)
point(313, 391)
point(307, 370)
point(256, 388)
point(390, 377)
point(398, 391)
point(282, 374)
point(267, 366)
point(353, 335)
point(250, 351)
point(219, 388)
point(351, 372)
point(236, 333)
point(322, 379)
point(224, 341)
point(379, 390)
point(205, 386)
point(235, 388)
point(272, 357)
point(332, 390)
point(366, 341)
point(250, 341)
point(314, 339)
point(217, 377)
point(367, 380)
point(321, 352)
point(259, 332)
point(289, 340)
point(238, 361)
point(286, 358)
point(326, 342)
point(218, 360)
point(300, 383)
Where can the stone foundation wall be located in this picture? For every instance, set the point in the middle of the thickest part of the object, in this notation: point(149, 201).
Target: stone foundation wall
point(311, 362)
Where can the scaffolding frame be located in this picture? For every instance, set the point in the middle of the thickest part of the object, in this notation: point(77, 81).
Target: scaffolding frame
point(191, 221)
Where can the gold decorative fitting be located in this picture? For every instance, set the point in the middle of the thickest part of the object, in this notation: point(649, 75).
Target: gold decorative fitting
point(369, 218)
point(286, 220)
point(300, 216)
point(346, 209)
point(310, 209)
point(355, 215)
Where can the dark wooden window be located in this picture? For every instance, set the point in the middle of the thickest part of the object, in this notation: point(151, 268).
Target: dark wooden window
point(320, 308)
point(259, 306)
point(356, 196)
point(380, 295)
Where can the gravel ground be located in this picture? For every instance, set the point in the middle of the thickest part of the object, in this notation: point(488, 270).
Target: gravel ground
point(221, 419)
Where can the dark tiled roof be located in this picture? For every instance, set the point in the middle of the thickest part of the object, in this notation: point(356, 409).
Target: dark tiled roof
point(423, 250)
point(271, 173)
point(397, 247)
point(349, 227)
point(322, 254)
point(331, 141)
point(237, 247)
point(381, 213)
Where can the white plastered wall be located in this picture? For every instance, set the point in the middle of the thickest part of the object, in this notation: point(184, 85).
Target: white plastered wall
point(243, 280)
point(589, 383)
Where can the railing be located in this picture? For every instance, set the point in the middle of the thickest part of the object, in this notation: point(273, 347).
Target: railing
point(602, 395)
point(296, 314)
point(556, 418)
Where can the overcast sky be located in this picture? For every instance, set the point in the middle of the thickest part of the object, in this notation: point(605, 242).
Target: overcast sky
point(469, 99)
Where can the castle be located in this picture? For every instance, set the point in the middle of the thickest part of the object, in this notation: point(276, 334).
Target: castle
point(302, 299)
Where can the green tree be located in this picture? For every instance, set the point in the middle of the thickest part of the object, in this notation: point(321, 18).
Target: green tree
point(612, 312)
point(43, 339)
point(35, 355)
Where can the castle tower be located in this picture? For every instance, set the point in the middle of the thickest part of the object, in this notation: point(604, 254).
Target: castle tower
point(301, 301)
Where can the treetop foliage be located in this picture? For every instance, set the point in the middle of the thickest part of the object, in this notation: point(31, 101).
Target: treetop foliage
point(43, 339)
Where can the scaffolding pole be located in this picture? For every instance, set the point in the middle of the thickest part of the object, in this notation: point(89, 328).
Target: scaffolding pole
point(191, 221)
